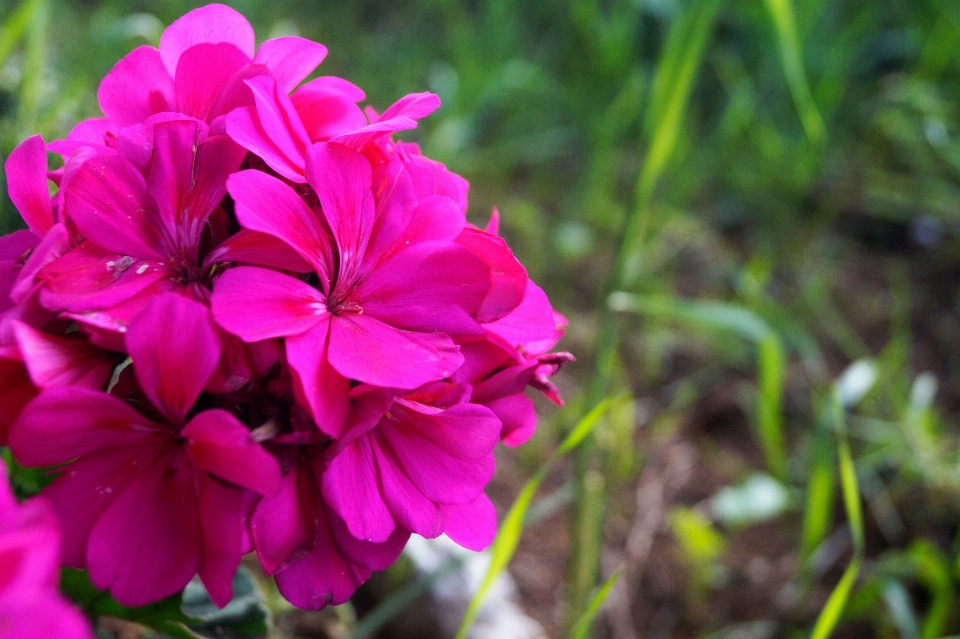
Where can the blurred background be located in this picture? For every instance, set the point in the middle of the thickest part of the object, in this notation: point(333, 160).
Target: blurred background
point(749, 211)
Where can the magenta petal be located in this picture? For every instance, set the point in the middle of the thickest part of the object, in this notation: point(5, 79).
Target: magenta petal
point(211, 24)
point(243, 125)
point(327, 106)
point(290, 59)
point(223, 516)
point(472, 525)
point(203, 71)
point(83, 491)
point(323, 577)
point(26, 169)
point(432, 178)
point(218, 443)
point(342, 178)
point(136, 88)
point(414, 106)
point(450, 284)
point(63, 423)
point(258, 249)
point(267, 205)
point(366, 349)
point(367, 554)
point(278, 121)
point(54, 245)
point(175, 349)
point(518, 416)
point(508, 278)
point(319, 385)
point(45, 615)
point(531, 321)
point(62, 361)
point(409, 507)
point(361, 138)
point(256, 304)
point(351, 488)
point(281, 531)
point(448, 455)
point(105, 198)
point(146, 545)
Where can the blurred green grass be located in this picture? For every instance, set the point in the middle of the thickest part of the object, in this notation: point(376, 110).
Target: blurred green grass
point(796, 164)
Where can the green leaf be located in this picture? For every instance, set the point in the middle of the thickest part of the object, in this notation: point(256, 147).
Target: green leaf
point(245, 617)
point(830, 615)
point(582, 629)
point(511, 529)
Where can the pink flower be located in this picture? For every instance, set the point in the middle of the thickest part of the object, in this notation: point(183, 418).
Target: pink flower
point(391, 286)
point(30, 606)
point(198, 71)
point(305, 544)
point(156, 495)
point(404, 458)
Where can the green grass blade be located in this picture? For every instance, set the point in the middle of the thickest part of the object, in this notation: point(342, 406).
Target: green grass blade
point(35, 60)
point(706, 314)
point(818, 505)
point(784, 20)
point(582, 630)
point(770, 370)
point(837, 602)
point(830, 615)
point(511, 529)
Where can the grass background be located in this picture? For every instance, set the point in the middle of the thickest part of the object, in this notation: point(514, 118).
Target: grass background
point(733, 201)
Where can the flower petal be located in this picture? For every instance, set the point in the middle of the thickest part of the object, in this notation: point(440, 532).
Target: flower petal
point(367, 350)
point(257, 303)
point(26, 169)
point(62, 361)
point(472, 525)
point(211, 24)
point(327, 106)
point(175, 349)
point(267, 205)
point(254, 248)
point(137, 87)
point(218, 443)
point(318, 384)
point(351, 488)
point(281, 531)
point(290, 59)
point(146, 545)
point(223, 517)
point(203, 72)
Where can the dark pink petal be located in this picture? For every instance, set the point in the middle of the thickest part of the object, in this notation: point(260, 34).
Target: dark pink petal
point(290, 59)
point(351, 487)
point(44, 615)
point(367, 350)
point(243, 125)
point(62, 361)
point(218, 443)
point(187, 180)
point(281, 531)
point(14, 246)
point(136, 88)
point(257, 303)
point(508, 278)
point(258, 249)
point(518, 416)
point(63, 423)
point(223, 518)
point(414, 106)
point(55, 244)
point(447, 455)
point(86, 487)
point(146, 545)
point(472, 525)
point(324, 576)
point(26, 169)
point(362, 138)
point(277, 129)
point(105, 198)
point(16, 390)
point(211, 24)
point(175, 349)
point(267, 205)
point(319, 385)
point(367, 554)
point(408, 505)
point(327, 106)
point(432, 178)
point(531, 321)
point(203, 71)
point(432, 286)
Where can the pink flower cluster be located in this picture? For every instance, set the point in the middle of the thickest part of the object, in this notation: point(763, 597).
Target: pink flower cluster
point(249, 320)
